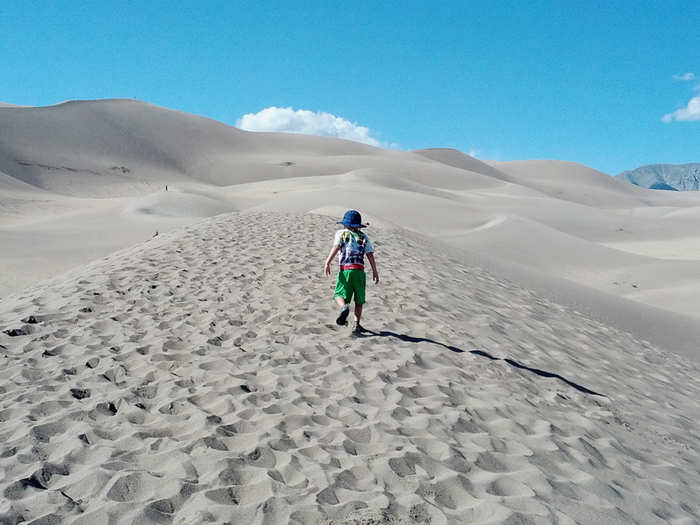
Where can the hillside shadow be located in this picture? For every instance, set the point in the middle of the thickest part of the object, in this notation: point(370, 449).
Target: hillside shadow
point(482, 353)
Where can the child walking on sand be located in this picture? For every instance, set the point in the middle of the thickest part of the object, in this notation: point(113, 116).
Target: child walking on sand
point(353, 245)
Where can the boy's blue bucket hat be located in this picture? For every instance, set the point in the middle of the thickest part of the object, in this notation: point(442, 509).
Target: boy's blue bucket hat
point(353, 219)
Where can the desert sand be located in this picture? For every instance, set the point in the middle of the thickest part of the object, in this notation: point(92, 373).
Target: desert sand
point(531, 353)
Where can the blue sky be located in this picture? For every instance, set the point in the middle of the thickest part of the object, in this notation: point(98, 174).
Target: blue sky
point(509, 80)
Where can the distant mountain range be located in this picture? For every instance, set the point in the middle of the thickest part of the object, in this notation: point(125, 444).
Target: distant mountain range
point(679, 177)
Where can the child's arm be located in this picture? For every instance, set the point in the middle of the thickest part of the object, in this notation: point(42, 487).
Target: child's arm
point(329, 259)
point(373, 264)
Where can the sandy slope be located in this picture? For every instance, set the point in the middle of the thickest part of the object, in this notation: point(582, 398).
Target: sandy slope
point(82, 179)
point(198, 377)
point(124, 147)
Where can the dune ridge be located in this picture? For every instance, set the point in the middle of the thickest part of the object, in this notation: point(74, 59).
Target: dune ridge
point(199, 377)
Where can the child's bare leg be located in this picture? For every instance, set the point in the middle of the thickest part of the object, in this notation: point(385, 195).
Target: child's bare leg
point(358, 313)
point(340, 301)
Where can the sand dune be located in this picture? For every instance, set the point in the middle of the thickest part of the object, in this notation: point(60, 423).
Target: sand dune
point(83, 179)
point(457, 159)
point(532, 354)
point(199, 378)
point(123, 147)
point(574, 182)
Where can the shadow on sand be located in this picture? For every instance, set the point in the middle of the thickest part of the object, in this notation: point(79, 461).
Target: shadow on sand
point(482, 353)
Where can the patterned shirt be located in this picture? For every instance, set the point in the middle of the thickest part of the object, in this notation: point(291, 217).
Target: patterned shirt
point(353, 247)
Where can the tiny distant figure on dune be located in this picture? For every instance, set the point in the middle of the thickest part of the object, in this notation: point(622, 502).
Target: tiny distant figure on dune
point(352, 246)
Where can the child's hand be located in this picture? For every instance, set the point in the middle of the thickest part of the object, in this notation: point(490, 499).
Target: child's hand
point(375, 277)
point(328, 269)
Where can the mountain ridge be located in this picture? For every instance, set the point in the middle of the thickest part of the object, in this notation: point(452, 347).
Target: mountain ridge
point(681, 177)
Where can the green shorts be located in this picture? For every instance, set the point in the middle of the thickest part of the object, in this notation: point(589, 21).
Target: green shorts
point(351, 282)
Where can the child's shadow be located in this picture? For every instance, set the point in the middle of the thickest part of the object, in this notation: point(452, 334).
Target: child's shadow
point(482, 353)
point(409, 339)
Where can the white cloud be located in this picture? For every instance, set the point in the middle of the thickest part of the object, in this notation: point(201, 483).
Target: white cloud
point(690, 112)
point(473, 152)
point(684, 77)
point(289, 120)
